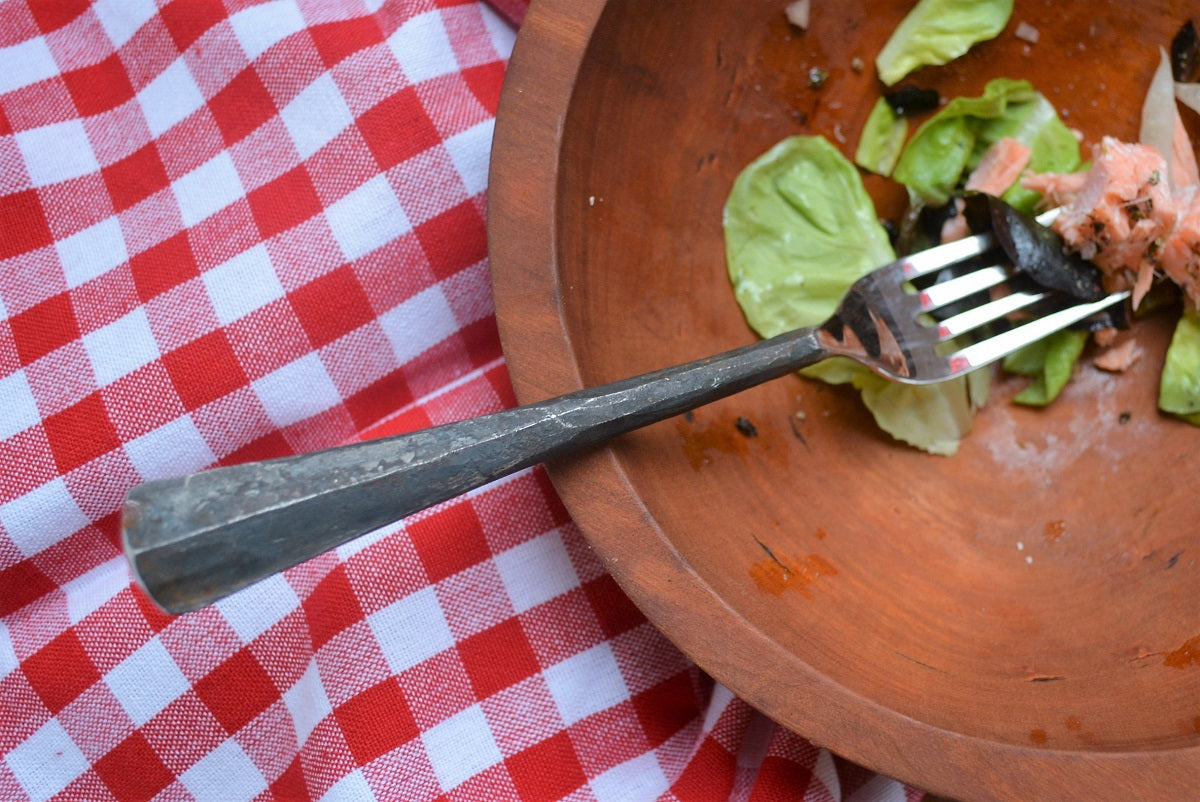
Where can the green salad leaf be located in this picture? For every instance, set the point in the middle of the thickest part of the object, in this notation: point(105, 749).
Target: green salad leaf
point(1049, 363)
point(939, 31)
point(1179, 385)
point(948, 145)
point(882, 139)
point(800, 228)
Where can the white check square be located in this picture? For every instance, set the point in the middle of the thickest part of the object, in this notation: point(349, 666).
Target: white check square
point(461, 747)
point(226, 774)
point(121, 19)
point(296, 391)
point(259, 27)
point(18, 409)
point(469, 151)
point(170, 98)
point(57, 152)
point(316, 116)
point(423, 48)
point(536, 571)
point(307, 702)
point(146, 682)
point(419, 323)
point(208, 189)
point(243, 284)
point(586, 683)
point(46, 762)
point(89, 592)
point(411, 630)
point(351, 788)
point(632, 781)
point(26, 63)
point(173, 449)
point(121, 347)
point(253, 610)
point(367, 218)
point(42, 517)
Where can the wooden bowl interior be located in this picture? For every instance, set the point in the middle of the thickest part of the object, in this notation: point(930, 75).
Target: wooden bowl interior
point(1041, 588)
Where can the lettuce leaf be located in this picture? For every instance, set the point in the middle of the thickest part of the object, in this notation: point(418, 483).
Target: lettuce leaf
point(1179, 385)
point(1049, 363)
point(948, 145)
point(882, 139)
point(800, 228)
point(939, 31)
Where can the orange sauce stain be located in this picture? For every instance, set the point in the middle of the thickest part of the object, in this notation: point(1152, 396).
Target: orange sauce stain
point(1054, 530)
point(1185, 655)
point(821, 533)
point(1037, 735)
point(699, 442)
point(1074, 724)
point(775, 575)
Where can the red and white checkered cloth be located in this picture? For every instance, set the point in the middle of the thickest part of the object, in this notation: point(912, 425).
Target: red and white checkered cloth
point(234, 230)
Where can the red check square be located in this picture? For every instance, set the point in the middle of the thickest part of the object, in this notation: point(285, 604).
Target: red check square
point(613, 609)
point(331, 607)
point(379, 399)
point(485, 82)
point(242, 106)
point(100, 87)
point(398, 129)
point(187, 20)
point(667, 707)
point(291, 784)
point(284, 203)
point(52, 16)
point(547, 771)
point(164, 266)
point(454, 240)
point(44, 328)
point(132, 770)
point(60, 671)
point(25, 227)
point(376, 721)
point(449, 540)
point(337, 40)
point(237, 691)
point(135, 177)
point(332, 306)
point(204, 370)
point(21, 584)
point(498, 657)
point(81, 433)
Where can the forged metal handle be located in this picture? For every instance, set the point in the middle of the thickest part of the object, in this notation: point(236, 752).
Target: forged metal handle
point(195, 539)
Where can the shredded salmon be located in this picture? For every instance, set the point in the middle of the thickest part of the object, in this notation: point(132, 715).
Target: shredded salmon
point(998, 169)
point(1123, 216)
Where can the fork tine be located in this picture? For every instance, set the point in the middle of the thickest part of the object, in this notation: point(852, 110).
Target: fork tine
point(1004, 343)
point(922, 263)
point(972, 319)
point(955, 289)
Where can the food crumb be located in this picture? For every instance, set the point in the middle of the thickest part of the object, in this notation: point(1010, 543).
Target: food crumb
point(817, 78)
point(1124, 417)
point(1020, 546)
point(747, 427)
point(856, 64)
point(591, 200)
point(797, 14)
point(1027, 33)
point(1029, 559)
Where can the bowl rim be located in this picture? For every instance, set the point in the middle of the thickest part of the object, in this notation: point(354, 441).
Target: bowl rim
point(523, 250)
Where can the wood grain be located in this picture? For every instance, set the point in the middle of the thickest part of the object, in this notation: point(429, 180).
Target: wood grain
point(1010, 623)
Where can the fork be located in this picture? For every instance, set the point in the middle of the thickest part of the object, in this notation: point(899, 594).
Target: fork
point(195, 539)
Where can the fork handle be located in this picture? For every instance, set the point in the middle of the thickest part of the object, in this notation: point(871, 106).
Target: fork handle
point(195, 539)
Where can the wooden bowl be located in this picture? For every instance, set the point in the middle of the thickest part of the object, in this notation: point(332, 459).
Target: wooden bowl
point(1019, 621)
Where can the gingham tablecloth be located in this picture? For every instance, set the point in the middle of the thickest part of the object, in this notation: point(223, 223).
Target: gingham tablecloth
point(238, 230)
